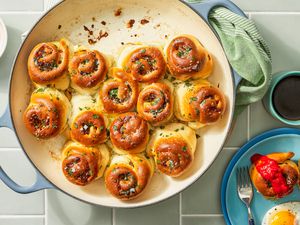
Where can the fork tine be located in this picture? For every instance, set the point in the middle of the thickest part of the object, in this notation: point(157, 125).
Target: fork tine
point(242, 177)
point(238, 177)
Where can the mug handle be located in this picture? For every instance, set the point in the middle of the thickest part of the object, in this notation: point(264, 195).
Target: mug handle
point(40, 183)
point(203, 8)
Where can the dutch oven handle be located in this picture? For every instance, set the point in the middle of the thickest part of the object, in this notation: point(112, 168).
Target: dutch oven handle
point(40, 183)
point(203, 8)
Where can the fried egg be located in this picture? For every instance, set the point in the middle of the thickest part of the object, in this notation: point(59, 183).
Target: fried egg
point(284, 214)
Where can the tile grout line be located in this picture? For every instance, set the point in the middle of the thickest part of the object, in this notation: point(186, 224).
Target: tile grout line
point(46, 207)
point(22, 216)
point(202, 215)
point(180, 208)
point(248, 123)
point(113, 217)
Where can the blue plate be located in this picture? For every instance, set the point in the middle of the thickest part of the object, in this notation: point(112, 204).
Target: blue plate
point(277, 140)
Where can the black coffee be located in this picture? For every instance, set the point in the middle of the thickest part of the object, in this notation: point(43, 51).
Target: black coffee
point(286, 98)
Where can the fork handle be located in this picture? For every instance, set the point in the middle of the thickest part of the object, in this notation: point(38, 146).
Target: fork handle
point(250, 217)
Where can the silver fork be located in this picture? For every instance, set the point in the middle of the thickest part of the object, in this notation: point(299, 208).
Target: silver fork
point(244, 188)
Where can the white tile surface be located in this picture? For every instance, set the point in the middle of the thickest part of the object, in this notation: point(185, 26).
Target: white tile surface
point(64, 210)
point(16, 164)
point(21, 5)
point(21, 221)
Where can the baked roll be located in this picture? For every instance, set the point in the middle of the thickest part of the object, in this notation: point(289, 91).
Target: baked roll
point(173, 148)
point(187, 58)
point(81, 164)
point(145, 63)
point(87, 69)
point(274, 175)
point(47, 113)
point(128, 176)
point(119, 93)
point(87, 124)
point(129, 133)
point(48, 64)
point(199, 103)
point(155, 103)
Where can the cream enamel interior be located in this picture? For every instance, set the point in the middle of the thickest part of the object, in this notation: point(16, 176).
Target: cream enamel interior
point(167, 17)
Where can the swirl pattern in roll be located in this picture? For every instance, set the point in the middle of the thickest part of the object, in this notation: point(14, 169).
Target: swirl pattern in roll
point(47, 113)
point(48, 64)
point(187, 58)
point(128, 176)
point(89, 128)
point(155, 103)
point(87, 69)
point(119, 93)
point(145, 63)
point(173, 148)
point(274, 175)
point(199, 103)
point(81, 164)
point(129, 133)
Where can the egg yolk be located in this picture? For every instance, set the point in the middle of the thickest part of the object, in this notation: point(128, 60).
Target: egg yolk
point(283, 218)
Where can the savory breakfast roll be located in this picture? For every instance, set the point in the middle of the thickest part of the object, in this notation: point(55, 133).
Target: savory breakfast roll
point(173, 148)
point(47, 113)
point(87, 69)
point(187, 58)
point(129, 133)
point(88, 128)
point(48, 64)
point(274, 175)
point(119, 93)
point(145, 63)
point(128, 176)
point(81, 164)
point(199, 103)
point(87, 123)
point(155, 103)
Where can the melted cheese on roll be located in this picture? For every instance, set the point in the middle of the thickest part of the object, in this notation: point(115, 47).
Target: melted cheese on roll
point(128, 176)
point(199, 103)
point(187, 58)
point(48, 64)
point(81, 164)
point(47, 113)
point(145, 63)
point(173, 148)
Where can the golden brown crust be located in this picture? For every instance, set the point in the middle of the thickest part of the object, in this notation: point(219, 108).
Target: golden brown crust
point(81, 164)
point(187, 58)
point(146, 64)
point(155, 103)
point(288, 169)
point(89, 128)
point(173, 156)
point(129, 132)
point(126, 181)
point(48, 61)
point(119, 94)
point(46, 114)
point(207, 105)
point(87, 68)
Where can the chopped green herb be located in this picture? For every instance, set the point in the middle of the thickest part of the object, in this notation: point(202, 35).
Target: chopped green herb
point(76, 125)
point(101, 128)
point(203, 102)
point(40, 90)
point(176, 130)
point(113, 93)
point(80, 108)
point(94, 100)
point(115, 128)
point(143, 51)
point(184, 148)
point(182, 128)
point(193, 99)
point(96, 116)
point(157, 100)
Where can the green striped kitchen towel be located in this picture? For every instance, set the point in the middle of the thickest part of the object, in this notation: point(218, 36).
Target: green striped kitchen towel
point(247, 53)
